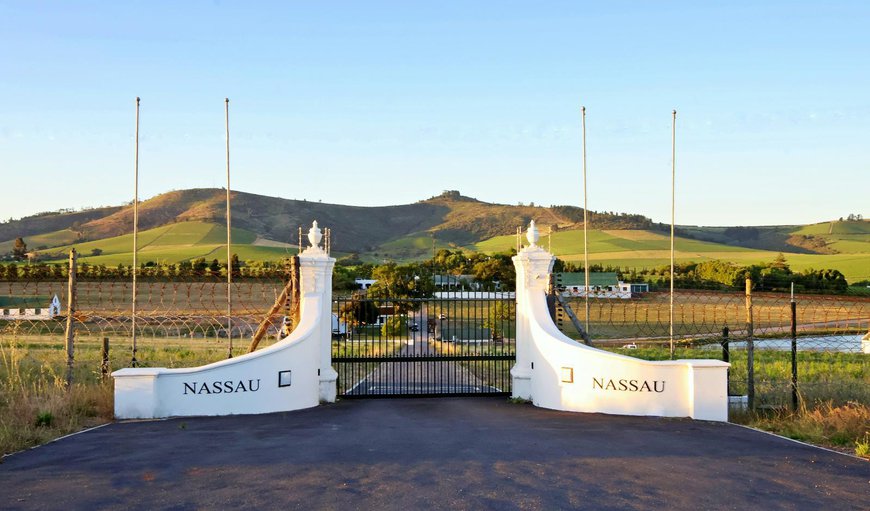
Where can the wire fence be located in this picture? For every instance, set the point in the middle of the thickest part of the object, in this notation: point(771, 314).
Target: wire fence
point(778, 357)
point(825, 360)
point(175, 313)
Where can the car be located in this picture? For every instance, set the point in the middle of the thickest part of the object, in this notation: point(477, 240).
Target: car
point(443, 315)
point(414, 327)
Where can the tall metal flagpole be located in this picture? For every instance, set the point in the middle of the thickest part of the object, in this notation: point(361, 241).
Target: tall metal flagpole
point(673, 201)
point(229, 239)
point(585, 226)
point(134, 362)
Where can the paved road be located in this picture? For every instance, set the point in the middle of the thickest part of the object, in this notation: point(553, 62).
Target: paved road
point(430, 454)
point(419, 377)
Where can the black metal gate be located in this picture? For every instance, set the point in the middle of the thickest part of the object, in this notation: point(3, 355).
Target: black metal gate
point(423, 347)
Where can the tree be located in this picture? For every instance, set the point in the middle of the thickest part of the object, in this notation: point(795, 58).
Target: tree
point(779, 262)
point(19, 249)
point(96, 251)
point(215, 267)
point(497, 268)
point(359, 311)
point(236, 265)
point(496, 316)
point(393, 326)
point(395, 282)
point(343, 279)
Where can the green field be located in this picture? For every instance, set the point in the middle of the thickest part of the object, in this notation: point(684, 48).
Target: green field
point(571, 242)
point(645, 249)
point(843, 237)
point(415, 246)
point(849, 227)
point(174, 243)
point(185, 241)
point(51, 239)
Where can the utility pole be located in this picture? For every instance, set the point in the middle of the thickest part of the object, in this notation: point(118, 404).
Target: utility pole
point(673, 202)
point(229, 240)
point(585, 226)
point(134, 362)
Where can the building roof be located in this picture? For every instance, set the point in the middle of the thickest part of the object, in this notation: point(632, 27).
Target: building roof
point(452, 280)
point(596, 278)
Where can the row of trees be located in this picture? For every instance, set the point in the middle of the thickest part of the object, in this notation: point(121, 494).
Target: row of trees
point(490, 272)
point(197, 269)
point(773, 276)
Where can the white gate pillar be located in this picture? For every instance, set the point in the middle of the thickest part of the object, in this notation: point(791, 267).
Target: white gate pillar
point(533, 265)
point(294, 373)
point(556, 372)
point(315, 275)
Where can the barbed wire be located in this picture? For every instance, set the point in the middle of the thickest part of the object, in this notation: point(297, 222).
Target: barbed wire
point(829, 360)
point(707, 324)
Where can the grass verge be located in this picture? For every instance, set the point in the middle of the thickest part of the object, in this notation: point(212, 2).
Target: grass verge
point(844, 428)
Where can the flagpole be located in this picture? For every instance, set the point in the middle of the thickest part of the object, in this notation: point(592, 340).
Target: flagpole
point(229, 238)
point(585, 227)
point(673, 202)
point(134, 362)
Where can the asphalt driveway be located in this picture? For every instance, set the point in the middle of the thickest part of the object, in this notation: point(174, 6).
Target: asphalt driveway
point(456, 453)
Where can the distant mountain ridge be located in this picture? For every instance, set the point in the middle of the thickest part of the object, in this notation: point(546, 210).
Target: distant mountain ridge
point(449, 219)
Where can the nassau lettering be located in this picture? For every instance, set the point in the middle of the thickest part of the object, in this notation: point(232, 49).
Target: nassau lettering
point(628, 385)
point(221, 387)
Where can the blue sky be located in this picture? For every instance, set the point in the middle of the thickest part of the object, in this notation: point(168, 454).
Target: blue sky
point(375, 103)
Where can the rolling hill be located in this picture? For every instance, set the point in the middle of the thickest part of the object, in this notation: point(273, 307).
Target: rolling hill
point(454, 219)
point(187, 224)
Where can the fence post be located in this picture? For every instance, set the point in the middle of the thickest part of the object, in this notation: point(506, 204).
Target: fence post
point(726, 357)
point(70, 325)
point(104, 355)
point(750, 348)
point(794, 370)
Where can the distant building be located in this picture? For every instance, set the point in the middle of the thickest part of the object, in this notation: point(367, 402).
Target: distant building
point(601, 285)
point(455, 282)
point(364, 283)
point(37, 313)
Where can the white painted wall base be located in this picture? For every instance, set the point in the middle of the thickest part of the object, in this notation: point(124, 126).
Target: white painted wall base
point(292, 374)
point(559, 373)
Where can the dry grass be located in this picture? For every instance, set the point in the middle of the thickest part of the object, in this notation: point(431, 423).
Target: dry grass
point(36, 406)
point(845, 428)
point(42, 412)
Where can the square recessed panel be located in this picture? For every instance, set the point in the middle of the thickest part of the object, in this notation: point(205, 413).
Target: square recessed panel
point(568, 375)
point(283, 378)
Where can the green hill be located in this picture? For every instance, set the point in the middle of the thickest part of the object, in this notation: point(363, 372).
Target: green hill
point(187, 224)
point(173, 243)
point(452, 218)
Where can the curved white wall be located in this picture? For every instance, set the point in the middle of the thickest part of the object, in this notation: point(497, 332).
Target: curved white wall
point(291, 374)
point(557, 372)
